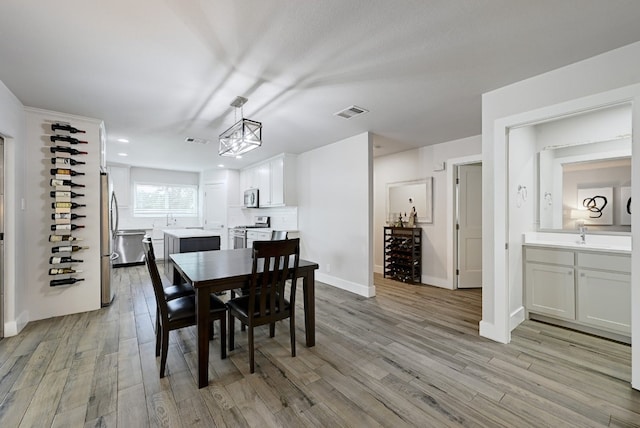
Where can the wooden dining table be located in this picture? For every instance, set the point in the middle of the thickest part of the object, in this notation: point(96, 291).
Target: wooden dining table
point(221, 270)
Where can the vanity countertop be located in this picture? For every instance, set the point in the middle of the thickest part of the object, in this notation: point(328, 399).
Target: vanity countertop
point(573, 246)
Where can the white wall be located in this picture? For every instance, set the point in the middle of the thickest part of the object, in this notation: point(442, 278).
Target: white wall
point(13, 129)
point(335, 212)
point(44, 301)
point(437, 248)
point(602, 80)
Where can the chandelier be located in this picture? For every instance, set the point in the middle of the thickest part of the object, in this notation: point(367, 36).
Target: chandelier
point(243, 136)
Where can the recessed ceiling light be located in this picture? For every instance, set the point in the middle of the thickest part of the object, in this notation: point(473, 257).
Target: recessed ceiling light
point(220, 165)
point(122, 154)
point(238, 157)
point(122, 140)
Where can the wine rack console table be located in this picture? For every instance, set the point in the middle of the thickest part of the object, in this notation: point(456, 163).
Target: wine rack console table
point(403, 254)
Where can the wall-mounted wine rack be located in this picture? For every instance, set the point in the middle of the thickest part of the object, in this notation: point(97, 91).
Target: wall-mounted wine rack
point(66, 174)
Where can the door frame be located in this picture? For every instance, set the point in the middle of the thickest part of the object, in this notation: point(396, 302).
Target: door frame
point(452, 250)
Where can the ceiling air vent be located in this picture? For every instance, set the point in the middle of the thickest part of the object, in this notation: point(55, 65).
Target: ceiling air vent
point(351, 112)
point(196, 140)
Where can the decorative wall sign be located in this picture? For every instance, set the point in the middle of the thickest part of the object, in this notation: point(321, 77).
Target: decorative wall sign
point(625, 206)
point(599, 205)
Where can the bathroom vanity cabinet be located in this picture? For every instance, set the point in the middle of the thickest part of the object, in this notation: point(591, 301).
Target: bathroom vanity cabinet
point(581, 288)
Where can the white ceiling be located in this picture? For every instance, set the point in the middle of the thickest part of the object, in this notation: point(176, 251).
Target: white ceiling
point(157, 71)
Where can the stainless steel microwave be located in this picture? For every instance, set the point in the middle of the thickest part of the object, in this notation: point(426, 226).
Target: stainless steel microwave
point(251, 198)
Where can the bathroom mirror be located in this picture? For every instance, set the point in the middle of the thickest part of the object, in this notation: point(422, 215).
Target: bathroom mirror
point(403, 196)
point(584, 171)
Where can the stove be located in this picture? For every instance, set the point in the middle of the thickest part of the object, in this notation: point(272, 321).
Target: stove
point(239, 233)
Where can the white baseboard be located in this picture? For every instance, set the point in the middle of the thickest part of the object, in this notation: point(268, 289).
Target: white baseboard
point(359, 289)
point(517, 317)
point(378, 269)
point(12, 328)
point(490, 331)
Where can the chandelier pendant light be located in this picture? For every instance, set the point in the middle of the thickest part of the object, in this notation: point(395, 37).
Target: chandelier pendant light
point(243, 136)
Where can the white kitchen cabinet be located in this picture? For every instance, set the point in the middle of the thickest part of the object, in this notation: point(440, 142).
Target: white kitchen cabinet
point(121, 184)
point(263, 174)
point(254, 235)
point(275, 179)
point(550, 290)
point(586, 288)
point(248, 178)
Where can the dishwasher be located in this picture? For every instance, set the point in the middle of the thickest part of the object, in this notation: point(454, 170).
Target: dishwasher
point(127, 248)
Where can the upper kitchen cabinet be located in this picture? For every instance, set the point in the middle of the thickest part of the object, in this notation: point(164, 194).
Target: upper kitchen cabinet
point(275, 179)
point(121, 184)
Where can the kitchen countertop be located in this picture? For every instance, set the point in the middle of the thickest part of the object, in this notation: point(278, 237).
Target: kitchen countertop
point(190, 233)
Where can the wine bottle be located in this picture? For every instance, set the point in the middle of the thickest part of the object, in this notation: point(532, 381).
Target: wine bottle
point(66, 205)
point(68, 248)
point(64, 171)
point(66, 161)
point(55, 227)
point(59, 126)
point(66, 216)
point(61, 194)
point(57, 182)
point(67, 138)
point(59, 238)
point(56, 260)
point(68, 281)
point(69, 150)
point(63, 271)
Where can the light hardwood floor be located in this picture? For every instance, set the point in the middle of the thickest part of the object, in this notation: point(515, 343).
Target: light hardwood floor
point(409, 357)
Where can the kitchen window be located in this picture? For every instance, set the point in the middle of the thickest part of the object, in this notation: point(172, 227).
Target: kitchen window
point(152, 200)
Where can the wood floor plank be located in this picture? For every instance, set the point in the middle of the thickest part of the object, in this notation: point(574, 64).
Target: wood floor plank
point(36, 367)
point(194, 413)
point(103, 398)
point(163, 411)
point(77, 388)
point(129, 369)
point(14, 406)
point(70, 418)
point(132, 408)
point(44, 403)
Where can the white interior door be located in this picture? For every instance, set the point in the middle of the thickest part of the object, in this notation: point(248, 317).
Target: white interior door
point(215, 210)
point(469, 226)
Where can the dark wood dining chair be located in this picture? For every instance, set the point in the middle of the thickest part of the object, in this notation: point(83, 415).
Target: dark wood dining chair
point(172, 291)
point(273, 263)
point(276, 235)
point(179, 312)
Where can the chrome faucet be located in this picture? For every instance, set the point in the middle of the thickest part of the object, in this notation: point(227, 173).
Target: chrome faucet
point(583, 234)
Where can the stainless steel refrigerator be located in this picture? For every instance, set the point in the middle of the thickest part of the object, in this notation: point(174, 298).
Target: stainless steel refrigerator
point(108, 226)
